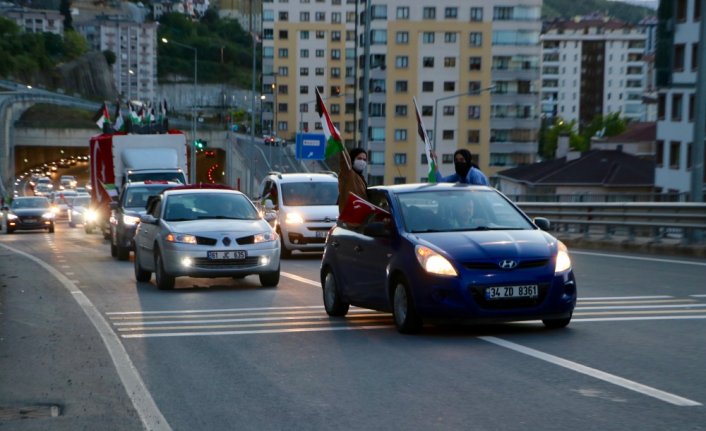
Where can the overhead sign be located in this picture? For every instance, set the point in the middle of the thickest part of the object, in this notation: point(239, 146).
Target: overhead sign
point(310, 146)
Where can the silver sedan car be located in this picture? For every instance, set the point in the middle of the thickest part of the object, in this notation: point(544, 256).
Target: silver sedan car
point(204, 232)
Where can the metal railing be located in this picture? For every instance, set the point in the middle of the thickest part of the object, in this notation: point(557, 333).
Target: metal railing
point(656, 221)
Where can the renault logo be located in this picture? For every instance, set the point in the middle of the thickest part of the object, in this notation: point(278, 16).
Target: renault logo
point(507, 264)
point(226, 241)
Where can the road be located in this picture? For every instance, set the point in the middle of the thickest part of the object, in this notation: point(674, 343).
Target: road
point(229, 354)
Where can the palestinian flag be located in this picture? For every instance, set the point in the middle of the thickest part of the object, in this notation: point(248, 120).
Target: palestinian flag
point(119, 125)
point(431, 175)
point(334, 144)
point(102, 116)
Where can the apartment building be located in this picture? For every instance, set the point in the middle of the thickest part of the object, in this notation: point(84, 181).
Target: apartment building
point(135, 48)
point(593, 66)
point(676, 69)
point(446, 54)
point(35, 20)
point(243, 11)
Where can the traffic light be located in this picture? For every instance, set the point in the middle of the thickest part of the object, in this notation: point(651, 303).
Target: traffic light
point(200, 144)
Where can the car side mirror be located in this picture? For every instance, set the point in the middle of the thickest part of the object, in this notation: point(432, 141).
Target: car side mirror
point(376, 229)
point(148, 218)
point(542, 223)
point(269, 205)
point(270, 216)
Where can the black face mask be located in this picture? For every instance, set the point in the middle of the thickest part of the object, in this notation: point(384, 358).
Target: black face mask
point(462, 169)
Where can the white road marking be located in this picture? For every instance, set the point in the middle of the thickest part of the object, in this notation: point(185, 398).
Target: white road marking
point(251, 319)
point(649, 259)
point(617, 298)
point(634, 307)
point(257, 331)
point(698, 296)
point(595, 373)
point(206, 314)
point(141, 399)
point(301, 279)
point(216, 310)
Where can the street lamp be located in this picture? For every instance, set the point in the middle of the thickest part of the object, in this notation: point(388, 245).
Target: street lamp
point(193, 105)
point(468, 93)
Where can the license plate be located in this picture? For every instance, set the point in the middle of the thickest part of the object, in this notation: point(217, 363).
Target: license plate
point(230, 255)
point(321, 233)
point(30, 220)
point(502, 292)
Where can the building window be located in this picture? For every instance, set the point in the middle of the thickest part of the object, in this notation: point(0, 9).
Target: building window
point(661, 106)
point(400, 180)
point(659, 154)
point(304, 16)
point(427, 110)
point(400, 110)
point(449, 86)
point(401, 86)
point(283, 53)
point(688, 156)
point(674, 147)
point(283, 34)
point(676, 107)
point(336, 36)
point(284, 16)
point(447, 158)
point(681, 13)
point(474, 63)
point(335, 54)
point(400, 158)
point(428, 86)
point(679, 50)
point(377, 157)
point(473, 136)
point(303, 89)
point(502, 13)
point(692, 99)
point(449, 61)
point(319, 71)
point(429, 13)
point(476, 14)
point(320, 16)
point(447, 134)
point(449, 110)
point(476, 38)
point(320, 34)
point(428, 62)
point(400, 134)
point(450, 37)
point(402, 12)
point(402, 37)
point(473, 86)
point(428, 37)
point(304, 34)
point(474, 112)
point(401, 62)
point(336, 17)
point(303, 71)
point(335, 72)
point(451, 13)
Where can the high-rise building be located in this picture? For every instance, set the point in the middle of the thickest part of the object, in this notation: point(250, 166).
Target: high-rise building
point(593, 66)
point(135, 48)
point(35, 20)
point(446, 54)
point(676, 67)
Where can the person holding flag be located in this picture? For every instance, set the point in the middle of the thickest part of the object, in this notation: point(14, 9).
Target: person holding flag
point(351, 165)
point(466, 171)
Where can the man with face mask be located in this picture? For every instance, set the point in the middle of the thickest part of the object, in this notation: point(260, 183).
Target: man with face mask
point(351, 175)
point(466, 172)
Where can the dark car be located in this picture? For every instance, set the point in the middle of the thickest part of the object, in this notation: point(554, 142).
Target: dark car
point(126, 214)
point(30, 213)
point(448, 252)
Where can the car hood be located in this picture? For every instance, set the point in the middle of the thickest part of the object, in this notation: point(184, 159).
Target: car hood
point(483, 245)
point(195, 227)
point(316, 213)
point(27, 212)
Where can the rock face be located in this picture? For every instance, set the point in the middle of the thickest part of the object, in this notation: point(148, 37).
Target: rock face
point(90, 75)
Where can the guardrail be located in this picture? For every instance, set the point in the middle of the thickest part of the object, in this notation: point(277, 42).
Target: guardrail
point(631, 220)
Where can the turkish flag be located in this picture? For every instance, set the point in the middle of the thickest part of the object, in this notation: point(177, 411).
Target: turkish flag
point(358, 211)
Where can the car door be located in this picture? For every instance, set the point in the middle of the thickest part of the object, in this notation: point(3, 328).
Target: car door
point(147, 233)
point(371, 251)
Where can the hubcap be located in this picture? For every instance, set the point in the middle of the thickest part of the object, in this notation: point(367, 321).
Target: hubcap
point(329, 290)
point(400, 304)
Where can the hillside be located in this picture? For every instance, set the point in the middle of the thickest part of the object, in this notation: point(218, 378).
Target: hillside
point(570, 8)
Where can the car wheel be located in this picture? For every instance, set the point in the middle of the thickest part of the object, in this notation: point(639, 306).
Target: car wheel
point(113, 249)
point(404, 312)
point(51, 229)
point(284, 252)
point(164, 280)
point(270, 279)
point(556, 323)
point(123, 253)
point(333, 303)
point(141, 274)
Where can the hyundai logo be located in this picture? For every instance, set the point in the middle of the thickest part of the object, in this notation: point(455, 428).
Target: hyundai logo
point(328, 220)
point(507, 264)
point(226, 241)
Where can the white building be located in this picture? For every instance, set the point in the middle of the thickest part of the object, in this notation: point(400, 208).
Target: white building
point(35, 20)
point(593, 66)
point(135, 48)
point(676, 68)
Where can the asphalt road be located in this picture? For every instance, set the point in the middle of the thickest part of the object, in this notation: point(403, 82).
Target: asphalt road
point(225, 354)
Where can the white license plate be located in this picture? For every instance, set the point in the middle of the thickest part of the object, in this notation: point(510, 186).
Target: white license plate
point(502, 292)
point(227, 255)
point(31, 220)
point(321, 233)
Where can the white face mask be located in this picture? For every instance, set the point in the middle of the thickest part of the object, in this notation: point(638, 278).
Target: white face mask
point(359, 165)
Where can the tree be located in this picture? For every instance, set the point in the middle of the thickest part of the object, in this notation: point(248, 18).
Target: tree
point(74, 45)
point(65, 9)
point(110, 57)
point(551, 137)
point(609, 125)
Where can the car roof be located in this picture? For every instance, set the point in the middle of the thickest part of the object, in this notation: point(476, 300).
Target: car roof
point(183, 191)
point(414, 187)
point(26, 198)
point(301, 177)
point(150, 184)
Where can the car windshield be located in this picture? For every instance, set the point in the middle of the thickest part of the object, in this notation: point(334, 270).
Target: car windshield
point(79, 201)
point(136, 197)
point(175, 177)
point(459, 210)
point(310, 193)
point(30, 203)
point(197, 206)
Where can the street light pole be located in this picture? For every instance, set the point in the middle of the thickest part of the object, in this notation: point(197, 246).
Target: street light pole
point(468, 93)
point(193, 106)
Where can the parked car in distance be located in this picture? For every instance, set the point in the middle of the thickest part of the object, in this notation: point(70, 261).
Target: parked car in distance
point(305, 206)
point(199, 231)
point(126, 214)
point(29, 213)
point(446, 252)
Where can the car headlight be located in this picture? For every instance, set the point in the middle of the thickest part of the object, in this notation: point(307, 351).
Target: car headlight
point(294, 218)
point(563, 261)
point(55, 210)
point(48, 215)
point(90, 215)
point(265, 237)
point(11, 217)
point(181, 238)
point(130, 220)
point(433, 262)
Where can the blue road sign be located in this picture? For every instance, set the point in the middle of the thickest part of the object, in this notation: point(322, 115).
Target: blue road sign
point(310, 146)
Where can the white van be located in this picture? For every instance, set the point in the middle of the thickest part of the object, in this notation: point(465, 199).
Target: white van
point(306, 208)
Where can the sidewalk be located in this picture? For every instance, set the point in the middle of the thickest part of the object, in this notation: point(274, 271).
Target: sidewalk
point(56, 373)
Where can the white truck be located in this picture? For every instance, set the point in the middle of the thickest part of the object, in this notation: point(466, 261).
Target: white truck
point(119, 158)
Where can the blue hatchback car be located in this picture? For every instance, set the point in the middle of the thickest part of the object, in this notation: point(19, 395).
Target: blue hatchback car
point(449, 252)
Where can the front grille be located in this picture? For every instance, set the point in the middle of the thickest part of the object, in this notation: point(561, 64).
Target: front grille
point(202, 240)
point(226, 263)
point(478, 293)
point(494, 265)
